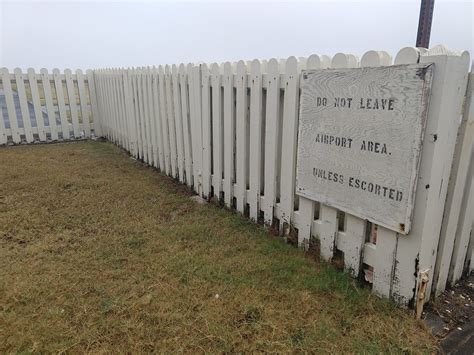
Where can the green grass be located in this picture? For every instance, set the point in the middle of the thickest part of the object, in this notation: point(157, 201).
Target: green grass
point(99, 253)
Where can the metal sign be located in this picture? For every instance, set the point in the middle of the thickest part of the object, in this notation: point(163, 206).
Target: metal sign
point(360, 139)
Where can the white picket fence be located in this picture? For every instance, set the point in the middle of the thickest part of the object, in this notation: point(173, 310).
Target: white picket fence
point(46, 107)
point(230, 130)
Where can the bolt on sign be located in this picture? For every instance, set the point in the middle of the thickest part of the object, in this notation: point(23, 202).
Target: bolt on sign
point(360, 139)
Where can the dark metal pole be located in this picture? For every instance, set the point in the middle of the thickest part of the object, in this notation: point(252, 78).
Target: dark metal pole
point(424, 24)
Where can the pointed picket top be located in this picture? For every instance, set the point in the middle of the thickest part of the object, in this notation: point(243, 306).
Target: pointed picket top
point(375, 59)
point(407, 55)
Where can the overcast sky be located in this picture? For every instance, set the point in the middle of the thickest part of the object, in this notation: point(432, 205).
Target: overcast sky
point(85, 34)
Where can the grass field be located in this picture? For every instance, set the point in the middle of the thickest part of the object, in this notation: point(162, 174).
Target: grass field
point(101, 254)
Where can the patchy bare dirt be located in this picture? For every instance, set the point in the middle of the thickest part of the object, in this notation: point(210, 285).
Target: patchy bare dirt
point(100, 254)
point(455, 307)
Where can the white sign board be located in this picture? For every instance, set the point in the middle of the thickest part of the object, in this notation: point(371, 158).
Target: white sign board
point(360, 139)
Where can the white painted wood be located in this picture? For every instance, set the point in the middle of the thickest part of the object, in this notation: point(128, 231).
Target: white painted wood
point(125, 119)
point(158, 118)
point(417, 252)
point(456, 192)
point(229, 134)
point(289, 139)
point(164, 122)
point(196, 127)
point(272, 134)
point(71, 93)
point(25, 112)
point(147, 116)
point(242, 136)
point(33, 82)
point(3, 131)
point(256, 140)
point(327, 231)
point(188, 160)
point(217, 129)
point(94, 104)
point(48, 98)
point(464, 231)
point(58, 84)
point(130, 113)
point(139, 115)
point(152, 118)
point(114, 109)
point(12, 118)
point(85, 113)
point(206, 130)
point(178, 119)
point(134, 81)
point(171, 123)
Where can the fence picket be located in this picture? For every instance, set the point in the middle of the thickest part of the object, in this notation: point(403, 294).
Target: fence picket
point(229, 134)
point(289, 140)
point(25, 112)
point(178, 121)
point(58, 84)
point(386, 240)
point(91, 85)
point(206, 131)
point(164, 122)
point(272, 134)
point(3, 131)
point(196, 125)
point(188, 160)
point(12, 118)
point(33, 82)
point(71, 93)
point(171, 123)
point(151, 118)
point(217, 129)
point(83, 104)
point(257, 145)
point(242, 136)
point(158, 118)
point(48, 99)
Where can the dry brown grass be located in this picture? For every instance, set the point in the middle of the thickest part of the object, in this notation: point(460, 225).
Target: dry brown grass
point(101, 254)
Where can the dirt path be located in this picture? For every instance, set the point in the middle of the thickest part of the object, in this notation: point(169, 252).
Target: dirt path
point(101, 254)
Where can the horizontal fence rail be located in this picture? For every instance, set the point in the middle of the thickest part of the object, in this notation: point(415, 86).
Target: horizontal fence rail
point(43, 107)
